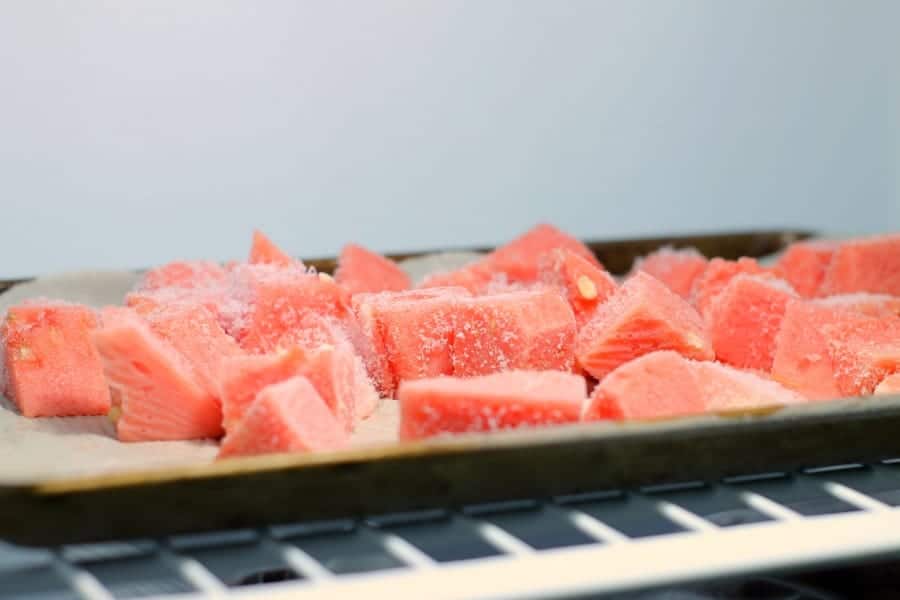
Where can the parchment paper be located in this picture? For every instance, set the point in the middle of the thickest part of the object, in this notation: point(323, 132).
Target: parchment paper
point(36, 449)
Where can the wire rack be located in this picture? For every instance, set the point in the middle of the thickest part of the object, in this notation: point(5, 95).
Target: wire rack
point(593, 544)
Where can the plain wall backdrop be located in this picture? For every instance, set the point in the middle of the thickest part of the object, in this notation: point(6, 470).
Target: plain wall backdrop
point(133, 133)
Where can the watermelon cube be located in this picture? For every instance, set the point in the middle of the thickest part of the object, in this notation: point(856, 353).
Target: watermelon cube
point(182, 274)
point(49, 361)
point(196, 334)
point(501, 401)
point(875, 305)
point(527, 330)
point(665, 384)
point(243, 377)
point(889, 385)
point(716, 276)
point(263, 251)
point(519, 259)
point(272, 301)
point(285, 417)
point(678, 268)
point(361, 270)
point(642, 316)
point(585, 285)
point(745, 318)
point(865, 265)
point(160, 395)
point(803, 265)
point(825, 352)
point(474, 277)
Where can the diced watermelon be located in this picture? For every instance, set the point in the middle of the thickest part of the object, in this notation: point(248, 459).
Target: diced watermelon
point(474, 277)
point(161, 397)
point(411, 332)
point(865, 265)
point(678, 268)
point(874, 305)
point(196, 334)
point(745, 318)
point(586, 285)
point(49, 360)
point(285, 417)
point(664, 384)
point(824, 352)
point(182, 274)
point(716, 276)
point(243, 377)
point(264, 252)
point(361, 270)
point(528, 330)
point(273, 300)
point(889, 385)
point(519, 259)
point(803, 265)
point(508, 400)
point(641, 317)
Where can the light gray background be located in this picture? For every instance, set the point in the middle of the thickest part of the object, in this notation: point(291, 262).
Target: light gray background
point(136, 132)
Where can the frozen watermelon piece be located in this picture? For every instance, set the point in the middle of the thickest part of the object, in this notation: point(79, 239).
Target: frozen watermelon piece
point(271, 302)
point(474, 277)
point(519, 259)
point(874, 305)
point(586, 285)
point(361, 270)
point(508, 400)
point(50, 363)
point(161, 397)
point(285, 417)
point(182, 274)
point(825, 352)
point(243, 377)
point(864, 351)
point(263, 251)
point(745, 318)
point(410, 332)
point(678, 268)
point(803, 265)
point(889, 385)
point(527, 330)
point(642, 316)
point(716, 276)
point(664, 384)
point(865, 265)
point(657, 385)
point(195, 333)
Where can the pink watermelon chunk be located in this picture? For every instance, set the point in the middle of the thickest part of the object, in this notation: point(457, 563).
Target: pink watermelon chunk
point(713, 280)
point(641, 317)
point(474, 277)
point(586, 285)
point(285, 417)
point(889, 385)
point(745, 318)
point(182, 274)
point(361, 270)
point(519, 259)
point(527, 330)
point(410, 332)
point(865, 265)
point(263, 251)
point(196, 334)
point(875, 305)
point(272, 301)
point(803, 265)
point(824, 352)
point(161, 397)
point(663, 385)
point(509, 400)
point(677, 268)
point(243, 377)
point(49, 361)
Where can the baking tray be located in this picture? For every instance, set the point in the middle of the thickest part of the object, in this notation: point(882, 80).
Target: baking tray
point(465, 469)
